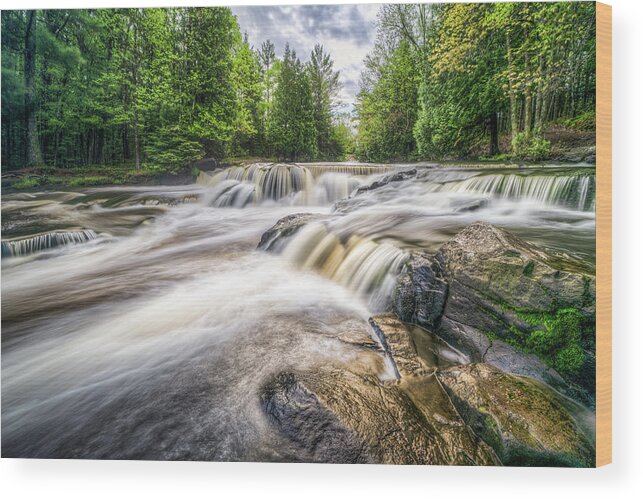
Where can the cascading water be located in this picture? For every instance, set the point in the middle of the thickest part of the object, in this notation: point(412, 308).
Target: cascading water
point(293, 184)
point(159, 344)
point(48, 240)
point(576, 190)
point(362, 265)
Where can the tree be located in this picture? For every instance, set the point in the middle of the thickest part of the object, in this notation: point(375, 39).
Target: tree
point(388, 111)
point(291, 129)
point(269, 69)
point(247, 82)
point(324, 86)
point(484, 70)
point(33, 147)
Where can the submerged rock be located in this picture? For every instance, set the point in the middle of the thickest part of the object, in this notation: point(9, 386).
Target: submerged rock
point(503, 301)
point(284, 228)
point(523, 420)
point(393, 177)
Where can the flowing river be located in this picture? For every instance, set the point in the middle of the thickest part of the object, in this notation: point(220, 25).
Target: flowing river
point(143, 322)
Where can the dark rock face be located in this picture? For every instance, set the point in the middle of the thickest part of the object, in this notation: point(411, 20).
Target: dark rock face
point(393, 177)
point(301, 417)
point(421, 293)
point(481, 291)
point(207, 164)
point(284, 228)
point(524, 421)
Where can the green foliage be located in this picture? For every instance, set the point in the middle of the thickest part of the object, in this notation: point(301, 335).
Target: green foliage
point(248, 86)
point(170, 150)
point(528, 146)
point(162, 87)
point(324, 87)
point(89, 181)
point(486, 70)
point(27, 183)
point(158, 88)
point(584, 122)
point(291, 128)
point(388, 111)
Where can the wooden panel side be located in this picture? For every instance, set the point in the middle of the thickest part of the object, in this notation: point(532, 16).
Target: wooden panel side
point(603, 234)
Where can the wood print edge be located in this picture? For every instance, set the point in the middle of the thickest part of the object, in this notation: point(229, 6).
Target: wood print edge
point(603, 234)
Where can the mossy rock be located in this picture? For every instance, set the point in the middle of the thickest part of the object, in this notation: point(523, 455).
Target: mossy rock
point(501, 300)
point(524, 421)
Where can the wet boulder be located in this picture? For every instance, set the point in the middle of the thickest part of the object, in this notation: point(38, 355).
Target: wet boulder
point(503, 301)
point(285, 228)
point(523, 420)
point(387, 179)
point(340, 416)
point(308, 424)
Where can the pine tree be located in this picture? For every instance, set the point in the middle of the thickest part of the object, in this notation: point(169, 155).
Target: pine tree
point(291, 129)
point(325, 86)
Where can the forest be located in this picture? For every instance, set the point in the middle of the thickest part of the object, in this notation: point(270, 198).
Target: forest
point(449, 80)
point(158, 89)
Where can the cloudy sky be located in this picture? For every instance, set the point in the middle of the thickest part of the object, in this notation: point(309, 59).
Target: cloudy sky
point(347, 32)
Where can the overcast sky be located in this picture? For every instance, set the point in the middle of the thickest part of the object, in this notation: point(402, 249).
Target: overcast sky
point(347, 32)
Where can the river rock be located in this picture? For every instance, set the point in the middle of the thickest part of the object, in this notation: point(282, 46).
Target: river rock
point(523, 420)
point(586, 154)
point(340, 416)
point(302, 418)
point(429, 413)
point(387, 179)
point(284, 228)
point(481, 287)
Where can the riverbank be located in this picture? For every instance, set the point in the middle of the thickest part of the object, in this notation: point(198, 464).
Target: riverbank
point(569, 147)
point(50, 178)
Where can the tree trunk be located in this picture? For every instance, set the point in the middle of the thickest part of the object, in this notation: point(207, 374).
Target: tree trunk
point(528, 97)
point(137, 145)
point(493, 134)
point(33, 155)
point(513, 105)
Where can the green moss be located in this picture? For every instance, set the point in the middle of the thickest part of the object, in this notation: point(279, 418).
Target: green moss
point(570, 360)
point(529, 268)
point(558, 338)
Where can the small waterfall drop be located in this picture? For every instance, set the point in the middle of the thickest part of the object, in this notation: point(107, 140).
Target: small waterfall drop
point(291, 184)
point(48, 240)
point(577, 191)
point(366, 267)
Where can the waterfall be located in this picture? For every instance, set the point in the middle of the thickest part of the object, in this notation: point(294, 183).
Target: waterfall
point(239, 186)
point(362, 265)
point(40, 242)
point(576, 191)
point(351, 169)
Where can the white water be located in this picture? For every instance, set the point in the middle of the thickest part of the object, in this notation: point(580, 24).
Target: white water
point(576, 191)
point(156, 342)
point(48, 240)
point(293, 184)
